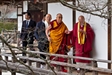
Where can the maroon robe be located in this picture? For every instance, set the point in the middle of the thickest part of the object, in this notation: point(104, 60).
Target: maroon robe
point(84, 49)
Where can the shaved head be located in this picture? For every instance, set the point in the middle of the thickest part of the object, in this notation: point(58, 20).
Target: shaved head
point(81, 16)
point(59, 18)
point(48, 17)
point(59, 14)
point(81, 19)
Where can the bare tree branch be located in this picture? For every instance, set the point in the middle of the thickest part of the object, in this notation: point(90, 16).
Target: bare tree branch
point(95, 8)
point(13, 54)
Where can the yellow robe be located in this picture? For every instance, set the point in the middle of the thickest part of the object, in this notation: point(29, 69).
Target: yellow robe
point(56, 35)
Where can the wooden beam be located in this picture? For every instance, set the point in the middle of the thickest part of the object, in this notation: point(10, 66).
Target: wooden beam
point(52, 1)
point(8, 1)
point(19, 14)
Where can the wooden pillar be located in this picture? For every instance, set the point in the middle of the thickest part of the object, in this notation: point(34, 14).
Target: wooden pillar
point(74, 21)
point(18, 41)
point(74, 14)
point(47, 58)
point(69, 68)
point(57, 68)
point(37, 64)
point(29, 61)
point(109, 35)
point(0, 59)
point(82, 72)
point(2, 33)
point(94, 64)
point(13, 71)
point(19, 15)
point(0, 55)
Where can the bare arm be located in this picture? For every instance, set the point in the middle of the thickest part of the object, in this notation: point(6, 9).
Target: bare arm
point(47, 32)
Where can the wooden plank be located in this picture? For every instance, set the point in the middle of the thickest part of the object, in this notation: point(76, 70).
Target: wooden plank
point(13, 71)
point(23, 69)
point(94, 64)
point(65, 64)
point(74, 57)
point(66, 56)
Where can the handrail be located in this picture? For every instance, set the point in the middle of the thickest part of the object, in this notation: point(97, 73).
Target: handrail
point(61, 63)
point(19, 67)
point(66, 56)
point(92, 68)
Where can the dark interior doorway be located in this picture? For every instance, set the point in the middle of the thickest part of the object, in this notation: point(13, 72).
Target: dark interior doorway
point(36, 15)
point(36, 11)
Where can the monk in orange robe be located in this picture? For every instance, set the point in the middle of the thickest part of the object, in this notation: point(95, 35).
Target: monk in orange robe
point(57, 31)
point(83, 37)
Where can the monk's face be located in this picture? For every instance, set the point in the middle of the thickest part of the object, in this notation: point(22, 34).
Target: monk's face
point(59, 18)
point(48, 18)
point(81, 19)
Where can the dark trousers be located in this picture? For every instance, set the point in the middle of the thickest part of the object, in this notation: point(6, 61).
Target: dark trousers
point(43, 47)
point(24, 45)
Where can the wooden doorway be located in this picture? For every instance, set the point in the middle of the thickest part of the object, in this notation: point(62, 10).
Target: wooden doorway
point(37, 10)
point(36, 15)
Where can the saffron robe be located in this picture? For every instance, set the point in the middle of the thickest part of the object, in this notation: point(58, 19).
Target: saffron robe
point(83, 50)
point(58, 40)
point(57, 33)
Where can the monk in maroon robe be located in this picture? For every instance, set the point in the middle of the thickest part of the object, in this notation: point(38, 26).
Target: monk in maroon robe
point(83, 37)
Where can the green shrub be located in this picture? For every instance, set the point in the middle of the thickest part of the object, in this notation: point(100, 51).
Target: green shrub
point(7, 26)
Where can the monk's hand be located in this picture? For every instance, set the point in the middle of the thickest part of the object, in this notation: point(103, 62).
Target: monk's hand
point(82, 31)
point(49, 39)
point(67, 31)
